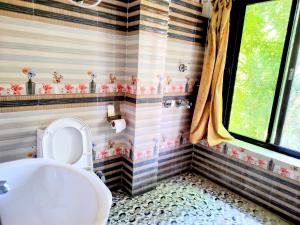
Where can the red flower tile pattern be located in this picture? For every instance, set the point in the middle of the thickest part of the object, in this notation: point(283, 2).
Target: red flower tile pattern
point(15, 89)
point(132, 87)
point(256, 159)
point(47, 89)
point(68, 88)
point(82, 88)
point(1, 90)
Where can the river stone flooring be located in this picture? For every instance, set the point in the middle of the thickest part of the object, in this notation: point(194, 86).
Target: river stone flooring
point(188, 199)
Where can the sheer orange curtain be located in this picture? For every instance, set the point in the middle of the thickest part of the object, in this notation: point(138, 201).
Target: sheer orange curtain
point(207, 118)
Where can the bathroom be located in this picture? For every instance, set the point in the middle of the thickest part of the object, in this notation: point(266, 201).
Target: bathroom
point(149, 112)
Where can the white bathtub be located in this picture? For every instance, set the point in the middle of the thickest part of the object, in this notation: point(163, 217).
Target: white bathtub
point(45, 192)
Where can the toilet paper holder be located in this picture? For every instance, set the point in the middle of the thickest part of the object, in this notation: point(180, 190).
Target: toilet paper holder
point(113, 112)
point(111, 118)
point(114, 118)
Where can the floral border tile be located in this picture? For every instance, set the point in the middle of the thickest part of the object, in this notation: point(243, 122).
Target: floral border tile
point(69, 88)
point(255, 159)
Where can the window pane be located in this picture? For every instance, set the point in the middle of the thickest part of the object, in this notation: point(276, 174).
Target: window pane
point(259, 60)
point(290, 137)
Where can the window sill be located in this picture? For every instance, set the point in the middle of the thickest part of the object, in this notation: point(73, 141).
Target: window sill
point(266, 152)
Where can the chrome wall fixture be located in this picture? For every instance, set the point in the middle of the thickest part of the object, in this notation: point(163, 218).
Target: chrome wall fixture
point(182, 68)
point(82, 3)
point(177, 103)
point(4, 188)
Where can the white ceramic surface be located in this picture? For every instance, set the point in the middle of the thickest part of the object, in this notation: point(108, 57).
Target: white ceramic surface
point(67, 140)
point(46, 192)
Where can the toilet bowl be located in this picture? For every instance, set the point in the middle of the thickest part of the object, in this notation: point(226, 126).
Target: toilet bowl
point(66, 140)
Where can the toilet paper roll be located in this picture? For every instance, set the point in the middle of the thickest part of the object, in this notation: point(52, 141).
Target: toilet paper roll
point(118, 125)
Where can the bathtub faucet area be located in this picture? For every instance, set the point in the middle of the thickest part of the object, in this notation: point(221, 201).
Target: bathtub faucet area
point(4, 187)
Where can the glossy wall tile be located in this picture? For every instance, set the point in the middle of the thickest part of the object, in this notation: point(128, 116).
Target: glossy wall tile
point(58, 46)
point(59, 60)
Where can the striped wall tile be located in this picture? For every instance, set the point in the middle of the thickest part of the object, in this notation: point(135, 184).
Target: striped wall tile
point(138, 41)
point(277, 193)
point(139, 177)
point(192, 58)
point(186, 22)
point(18, 136)
point(175, 161)
point(48, 48)
point(112, 170)
point(59, 50)
point(121, 172)
point(148, 15)
point(109, 16)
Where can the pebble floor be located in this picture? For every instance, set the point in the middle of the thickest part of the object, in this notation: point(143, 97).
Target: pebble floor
point(188, 199)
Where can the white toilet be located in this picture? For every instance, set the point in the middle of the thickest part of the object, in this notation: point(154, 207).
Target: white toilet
point(66, 140)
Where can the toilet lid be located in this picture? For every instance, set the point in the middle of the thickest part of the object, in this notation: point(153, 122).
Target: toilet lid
point(65, 140)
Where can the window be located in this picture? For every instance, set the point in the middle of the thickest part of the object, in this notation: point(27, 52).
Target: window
point(288, 130)
point(262, 75)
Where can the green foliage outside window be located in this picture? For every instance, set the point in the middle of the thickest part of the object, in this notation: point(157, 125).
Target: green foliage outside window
point(259, 61)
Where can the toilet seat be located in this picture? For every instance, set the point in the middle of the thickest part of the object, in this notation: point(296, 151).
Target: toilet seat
point(67, 140)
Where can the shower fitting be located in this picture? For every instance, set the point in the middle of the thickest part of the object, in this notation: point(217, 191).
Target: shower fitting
point(85, 3)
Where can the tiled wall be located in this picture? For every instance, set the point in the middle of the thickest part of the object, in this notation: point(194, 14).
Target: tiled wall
point(54, 36)
point(141, 43)
point(259, 182)
point(161, 36)
point(138, 43)
point(18, 129)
